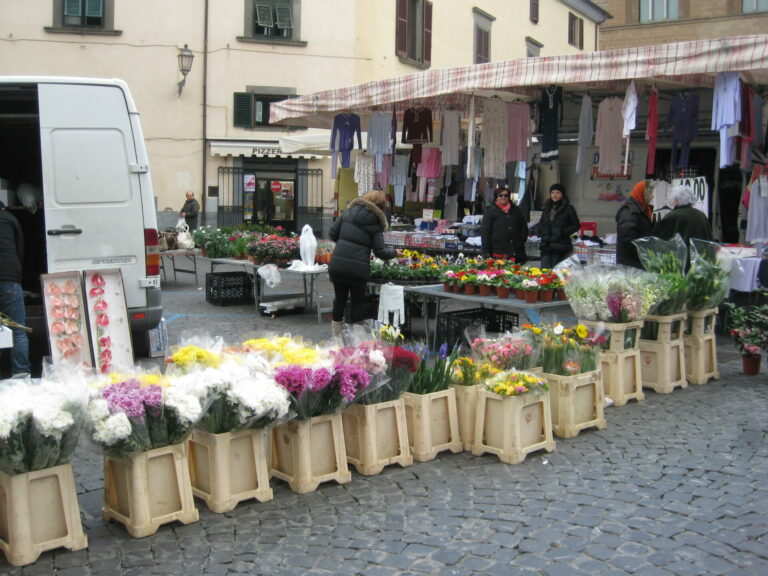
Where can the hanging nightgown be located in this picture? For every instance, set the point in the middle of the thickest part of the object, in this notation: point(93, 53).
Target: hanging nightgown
point(399, 177)
point(550, 119)
point(493, 138)
point(608, 139)
point(726, 112)
point(586, 133)
point(450, 137)
point(365, 173)
point(379, 136)
point(518, 131)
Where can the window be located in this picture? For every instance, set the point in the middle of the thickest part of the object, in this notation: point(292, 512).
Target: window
point(483, 23)
point(532, 47)
point(271, 19)
point(413, 31)
point(251, 109)
point(749, 6)
point(534, 11)
point(89, 16)
point(575, 31)
point(655, 10)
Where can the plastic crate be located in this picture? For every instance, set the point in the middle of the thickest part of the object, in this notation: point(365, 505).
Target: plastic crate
point(452, 325)
point(226, 288)
point(533, 250)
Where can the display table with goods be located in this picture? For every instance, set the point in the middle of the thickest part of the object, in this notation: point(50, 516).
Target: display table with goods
point(190, 255)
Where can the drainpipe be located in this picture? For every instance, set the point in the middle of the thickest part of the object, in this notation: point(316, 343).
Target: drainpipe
point(205, 108)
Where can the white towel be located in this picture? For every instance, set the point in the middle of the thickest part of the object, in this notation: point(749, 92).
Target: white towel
point(392, 299)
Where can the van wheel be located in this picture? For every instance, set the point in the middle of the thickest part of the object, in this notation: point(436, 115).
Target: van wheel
point(140, 340)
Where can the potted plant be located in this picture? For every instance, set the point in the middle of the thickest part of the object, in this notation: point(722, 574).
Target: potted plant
point(530, 288)
point(749, 329)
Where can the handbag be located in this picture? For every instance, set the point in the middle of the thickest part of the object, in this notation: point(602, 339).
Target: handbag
point(170, 238)
point(184, 238)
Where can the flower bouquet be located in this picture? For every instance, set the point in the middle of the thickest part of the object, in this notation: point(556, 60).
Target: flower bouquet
point(515, 383)
point(402, 365)
point(707, 281)
point(193, 356)
point(749, 327)
point(131, 413)
point(666, 258)
point(506, 352)
point(434, 371)
point(39, 423)
point(567, 351)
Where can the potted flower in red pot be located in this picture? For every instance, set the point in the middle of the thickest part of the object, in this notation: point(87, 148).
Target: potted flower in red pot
point(749, 329)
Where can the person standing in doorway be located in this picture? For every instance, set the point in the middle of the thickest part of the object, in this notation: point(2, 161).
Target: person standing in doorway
point(11, 294)
point(633, 221)
point(190, 210)
point(503, 229)
point(558, 221)
point(358, 232)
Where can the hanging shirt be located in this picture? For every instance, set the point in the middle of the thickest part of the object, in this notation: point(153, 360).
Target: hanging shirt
point(364, 173)
point(550, 118)
point(683, 117)
point(430, 163)
point(450, 137)
point(518, 131)
point(652, 128)
point(345, 128)
point(726, 111)
point(586, 133)
point(471, 149)
point(493, 138)
point(629, 110)
point(379, 136)
point(608, 135)
point(417, 126)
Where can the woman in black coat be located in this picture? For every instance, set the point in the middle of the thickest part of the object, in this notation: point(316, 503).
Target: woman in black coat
point(633, 221)
point(358, 231)
point(504, 230)
point(558, 221)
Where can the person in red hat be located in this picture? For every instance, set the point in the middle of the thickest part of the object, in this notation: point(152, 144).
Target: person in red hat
point(633, 221)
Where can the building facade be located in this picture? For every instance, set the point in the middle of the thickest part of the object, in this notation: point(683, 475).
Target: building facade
point(207, 131)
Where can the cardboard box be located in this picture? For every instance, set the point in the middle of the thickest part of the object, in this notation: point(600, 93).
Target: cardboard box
point(158, 340)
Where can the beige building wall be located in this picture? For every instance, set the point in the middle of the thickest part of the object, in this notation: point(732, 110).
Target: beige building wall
point(342, 42)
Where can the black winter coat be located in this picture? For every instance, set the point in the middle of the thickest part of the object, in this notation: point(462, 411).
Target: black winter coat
point(556, 233)
point(687, 221)
point(632, 223)
point(358, 231)
point(11, 248)
point(504, 233)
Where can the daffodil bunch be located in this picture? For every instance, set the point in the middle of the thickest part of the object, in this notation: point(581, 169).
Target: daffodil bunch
point(464, 372)
point(514, 383)
point(566, 350)
point(191, 356)
point(389, 333)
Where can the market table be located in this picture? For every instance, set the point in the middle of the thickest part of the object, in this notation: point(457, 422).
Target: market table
point(438, 294)
point(189, 254)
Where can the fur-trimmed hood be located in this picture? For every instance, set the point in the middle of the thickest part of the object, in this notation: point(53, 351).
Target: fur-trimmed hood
point(373, 208)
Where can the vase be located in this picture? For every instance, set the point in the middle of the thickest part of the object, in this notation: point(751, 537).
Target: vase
point(227, 468)
point(484, 290)
point(470, 289)
point(546, 295)
point(502, 291)
point(39, 511)
point(531, 296)
point(149, 489)
point(376, 435)
point(433, 424)
point(750, 364)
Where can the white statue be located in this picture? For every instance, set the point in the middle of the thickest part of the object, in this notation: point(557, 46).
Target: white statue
point(307, 245)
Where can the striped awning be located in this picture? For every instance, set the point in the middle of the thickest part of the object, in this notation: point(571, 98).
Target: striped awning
point(683, 64)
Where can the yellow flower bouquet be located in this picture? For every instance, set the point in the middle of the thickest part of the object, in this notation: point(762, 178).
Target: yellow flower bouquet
point(514, 383)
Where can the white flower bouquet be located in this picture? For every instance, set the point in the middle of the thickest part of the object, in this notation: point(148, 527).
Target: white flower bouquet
point(39, 424)
point(131, 413)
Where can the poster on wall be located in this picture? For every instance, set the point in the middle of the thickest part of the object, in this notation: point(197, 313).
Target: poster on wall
point(65, 318)
point(108, 319)
point(623, 174)
point(249, 182)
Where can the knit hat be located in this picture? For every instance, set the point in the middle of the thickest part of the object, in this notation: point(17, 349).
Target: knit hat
point(559, 187)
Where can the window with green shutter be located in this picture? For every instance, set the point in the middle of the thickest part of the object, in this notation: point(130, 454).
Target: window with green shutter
point(252, 110)
point(83, 13)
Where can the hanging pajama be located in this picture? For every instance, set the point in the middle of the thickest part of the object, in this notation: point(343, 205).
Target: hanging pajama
point(379, 136)
point(382, 177)
point(518, 131)
point(399, 177)
point(652, 129)
point(608, 135)
point(345, 127)
point(550, 118)
point(683, 120)
point(364, 173)
point(427, 171)
point(493, 138)
point(726, 112)
point(450, 137)
point(586, 133)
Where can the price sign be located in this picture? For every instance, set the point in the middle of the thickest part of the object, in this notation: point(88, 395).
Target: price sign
point(427, 214)
point(700, 191)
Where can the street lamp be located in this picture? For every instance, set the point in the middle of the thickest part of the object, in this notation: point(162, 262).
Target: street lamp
point(185, 65)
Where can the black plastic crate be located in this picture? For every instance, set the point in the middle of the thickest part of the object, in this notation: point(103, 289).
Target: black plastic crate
point(226, 288)
point(371, 312)
point(451, 326)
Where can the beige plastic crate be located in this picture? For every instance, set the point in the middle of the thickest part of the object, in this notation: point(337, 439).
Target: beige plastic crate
point(701, 322)
point(670, 328)
point(306, 453)
point(576, 402)
point(619, 333)
point(622, 381)
point(433, 424)
point(38, 512)
point(376, 435)
point(149, 489)
point(226, 469)
point(662, 365)
point(466, 409)
point(512, 427)
point(700, 358)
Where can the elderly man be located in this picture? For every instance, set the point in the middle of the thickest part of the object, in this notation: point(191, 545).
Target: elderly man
point(190, 210)
point(684, 219)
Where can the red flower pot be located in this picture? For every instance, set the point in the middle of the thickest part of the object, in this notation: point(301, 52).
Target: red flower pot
point(531, 296)
point(520, 293)
point(470, 289)
point(751, 364)
point(502, 291)
point(484, 290)
point(546, 295)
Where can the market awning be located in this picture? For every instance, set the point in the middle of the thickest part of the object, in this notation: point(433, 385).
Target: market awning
point(260, 149)
point(679, 65)
point(317, 143)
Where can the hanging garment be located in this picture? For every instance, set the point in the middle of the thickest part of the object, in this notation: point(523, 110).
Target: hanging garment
point(550, 119)
point(629, 110)
point(391, 301)
point(726, 112)
point(757, 213)
point(652, 129)
point(364, 173)
point(417, 125)
point(608, 135)
point(430, 163)
point(586, 133)
point(345, 128)
point(471, 139)
point(683, 120)
point(518, 131)
point(379, 136)
point(399, 177)
point(746, 128)
point(450, 137)
point(493, 138)
point(381, 179)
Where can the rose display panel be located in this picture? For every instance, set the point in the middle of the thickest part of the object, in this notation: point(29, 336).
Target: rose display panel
point(108, 319)
point(65, 316)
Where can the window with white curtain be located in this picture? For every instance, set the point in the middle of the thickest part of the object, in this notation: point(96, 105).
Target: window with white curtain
point(749, 6)
point(657, 10)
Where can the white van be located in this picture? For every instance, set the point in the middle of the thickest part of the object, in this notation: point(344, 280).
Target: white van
point(79, 142)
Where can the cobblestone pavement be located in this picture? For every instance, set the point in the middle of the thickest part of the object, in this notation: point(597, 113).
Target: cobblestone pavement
point(675, 485)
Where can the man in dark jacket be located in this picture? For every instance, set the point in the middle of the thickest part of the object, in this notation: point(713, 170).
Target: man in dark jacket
point(558, 221)
point(358, 231)
point(11, 295)
point(190, 210)
point(504, 230)
point(633, 221)
point(684, 219)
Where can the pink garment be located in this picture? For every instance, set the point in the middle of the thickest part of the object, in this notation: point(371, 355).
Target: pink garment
point(382, 176)
point(652, 129)
point(431, 162)
point(518, 130)
point(610, 124)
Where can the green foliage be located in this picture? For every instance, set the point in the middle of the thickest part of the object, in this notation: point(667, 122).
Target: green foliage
point(435, 371)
